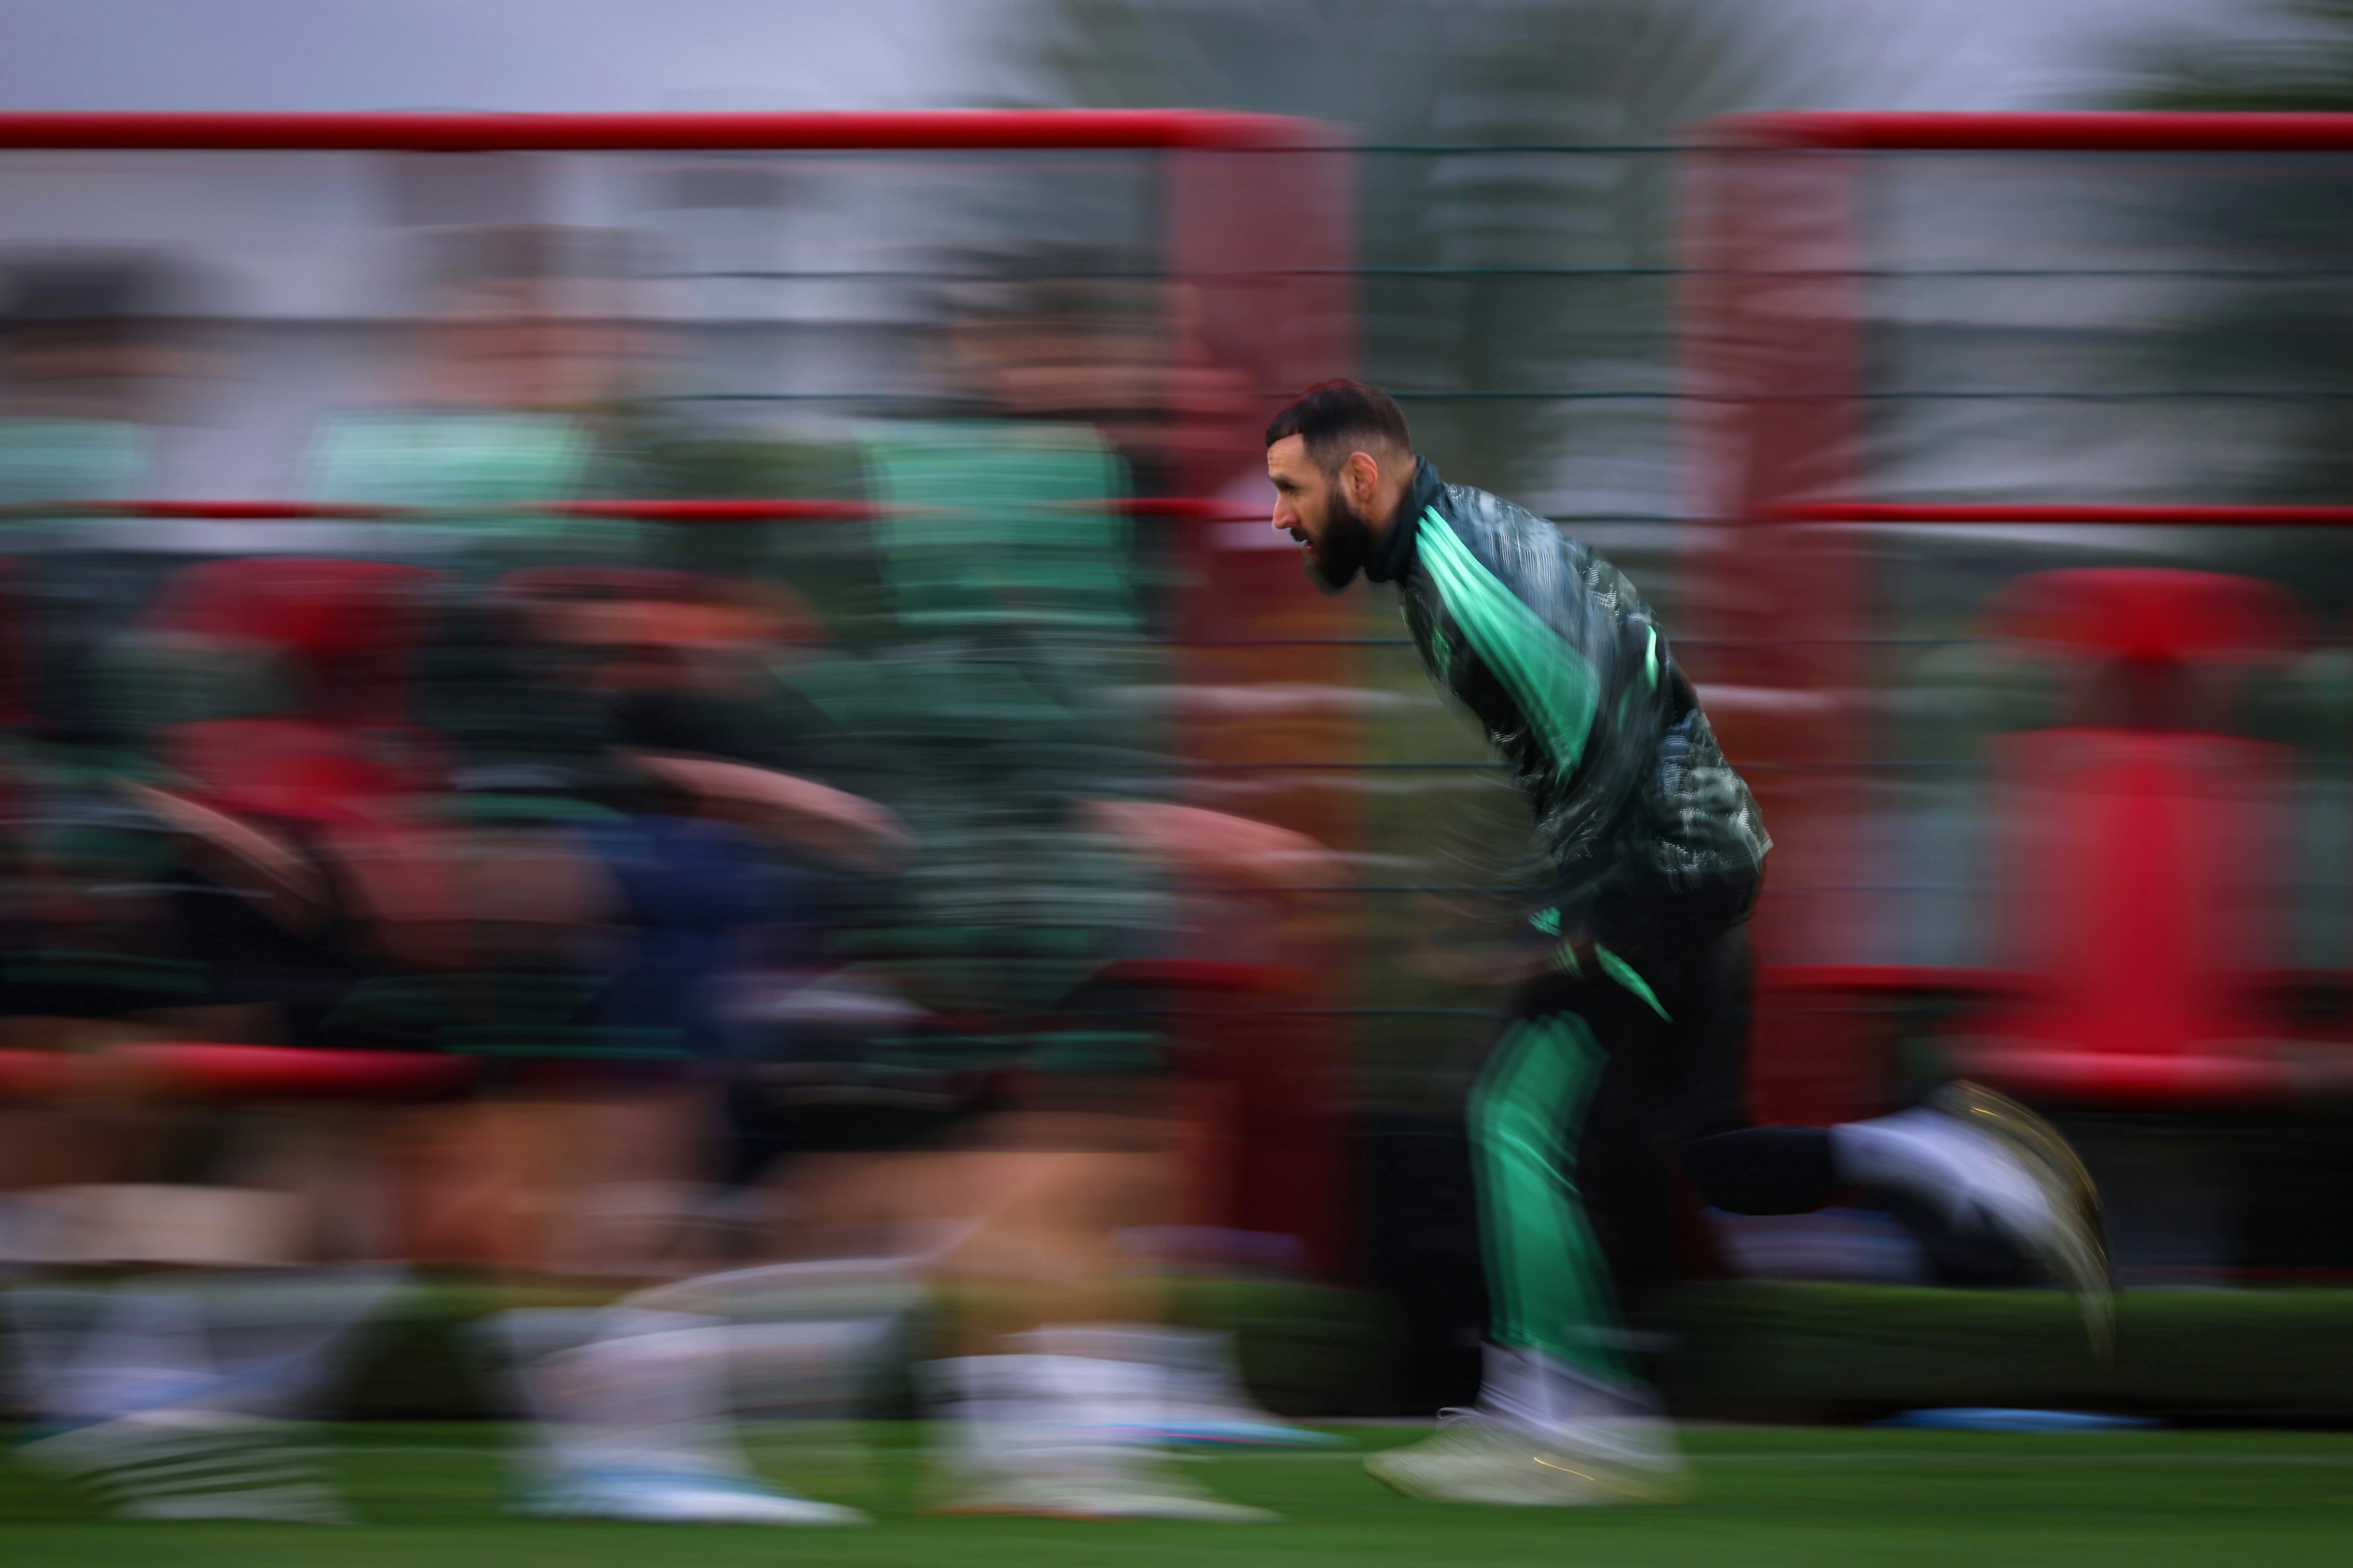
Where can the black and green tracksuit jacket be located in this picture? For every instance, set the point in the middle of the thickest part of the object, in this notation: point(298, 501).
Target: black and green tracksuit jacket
point(1554, 653)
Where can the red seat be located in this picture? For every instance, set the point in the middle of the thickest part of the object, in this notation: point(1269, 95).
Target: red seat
point(2138, 882)
point(348, 629)
point(350, 625)
point(2147, 613)
point(299, 769)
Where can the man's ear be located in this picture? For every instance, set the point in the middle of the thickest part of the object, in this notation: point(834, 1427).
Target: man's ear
point(1363, 477)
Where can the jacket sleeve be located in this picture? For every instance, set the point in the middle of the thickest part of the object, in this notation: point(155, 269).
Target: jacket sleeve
point(1574, 647)
point(1525, 613)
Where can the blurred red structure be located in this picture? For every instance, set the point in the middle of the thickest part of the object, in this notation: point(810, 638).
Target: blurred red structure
point(2136, 947)
point(345, 632)
point(2143, 842)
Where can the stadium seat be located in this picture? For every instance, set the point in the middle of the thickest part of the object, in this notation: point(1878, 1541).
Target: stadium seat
point(2135, 888)
point(345, 632)
point(2141, 851)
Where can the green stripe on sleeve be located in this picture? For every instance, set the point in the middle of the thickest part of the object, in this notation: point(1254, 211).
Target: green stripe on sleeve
point(1553, 682)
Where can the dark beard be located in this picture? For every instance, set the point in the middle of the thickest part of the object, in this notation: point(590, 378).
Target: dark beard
point(1333, 561)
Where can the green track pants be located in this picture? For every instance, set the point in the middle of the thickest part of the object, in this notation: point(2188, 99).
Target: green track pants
point(1547, 1280)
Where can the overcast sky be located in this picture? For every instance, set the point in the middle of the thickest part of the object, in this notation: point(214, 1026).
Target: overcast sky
point(584, 55)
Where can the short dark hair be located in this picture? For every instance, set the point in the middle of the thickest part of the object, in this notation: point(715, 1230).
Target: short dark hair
point(1334, 418)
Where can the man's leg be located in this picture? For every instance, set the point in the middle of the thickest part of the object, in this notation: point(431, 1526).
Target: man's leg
point(1610, 1064)
point(1549, 1283)
point(1563, 1416)
point(1982, 1162)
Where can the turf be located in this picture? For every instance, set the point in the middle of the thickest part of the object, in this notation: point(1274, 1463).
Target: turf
point(1768, 1495)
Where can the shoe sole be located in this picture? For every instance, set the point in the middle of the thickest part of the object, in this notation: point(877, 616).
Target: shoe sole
point(2082, 1268)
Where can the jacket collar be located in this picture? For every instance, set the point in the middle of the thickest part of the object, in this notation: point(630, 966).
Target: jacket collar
point(1393, 555)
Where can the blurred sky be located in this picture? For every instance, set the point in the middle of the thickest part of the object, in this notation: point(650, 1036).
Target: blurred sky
point(580, 55)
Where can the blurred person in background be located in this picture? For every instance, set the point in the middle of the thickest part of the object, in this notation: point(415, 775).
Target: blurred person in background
point(163, 1347)
point(461, 821)
point(83, 355)
point(160, 1371)
point(1006, 718)
point(491, 405)
point(505, 392)
point(95, 350)
point(1622, 1051)
point(618, 840)
point(97, 354)
point(1079, 336)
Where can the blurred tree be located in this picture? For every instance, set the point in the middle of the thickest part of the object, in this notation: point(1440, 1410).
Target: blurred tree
point(2289, 332)
point(1493, 271)
point(2294, 55)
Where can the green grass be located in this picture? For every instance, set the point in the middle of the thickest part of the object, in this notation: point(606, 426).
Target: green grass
point(1768, 1495)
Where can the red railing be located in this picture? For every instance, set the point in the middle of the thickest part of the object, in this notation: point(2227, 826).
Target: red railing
point(941, 130)
point(2059, 132)
point(2004, 514)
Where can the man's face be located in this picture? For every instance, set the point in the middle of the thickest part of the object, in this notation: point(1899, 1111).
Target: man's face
point(1314, 509)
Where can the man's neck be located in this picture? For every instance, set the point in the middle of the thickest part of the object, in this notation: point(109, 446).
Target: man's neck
point(1390, 502)
point(1393, 525)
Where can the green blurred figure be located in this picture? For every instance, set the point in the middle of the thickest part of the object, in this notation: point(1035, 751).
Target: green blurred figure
point(93, 346)
point(506, 399)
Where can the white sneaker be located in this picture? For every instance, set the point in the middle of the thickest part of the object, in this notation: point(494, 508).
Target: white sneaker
point(675, 1497)
point(1194, 1396)
point(2050, 1210)
point(1054, 1435)
point(1478, 1458)
point(1210, 1405)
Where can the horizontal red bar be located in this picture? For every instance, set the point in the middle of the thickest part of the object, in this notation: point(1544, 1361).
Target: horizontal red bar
point(207, 1070)
point(929, 129)
point(2008, 513)
point(1185, 507)
point(238, 510)
point(214, 1071)
point(793, 509)
point(2058, 133)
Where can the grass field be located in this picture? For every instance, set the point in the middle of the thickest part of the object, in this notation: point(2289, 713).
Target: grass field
point(1768, 1495)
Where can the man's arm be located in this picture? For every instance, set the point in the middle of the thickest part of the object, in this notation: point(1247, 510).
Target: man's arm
point(1573, 646)
point(1554, 664)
